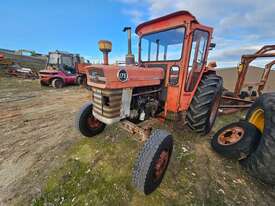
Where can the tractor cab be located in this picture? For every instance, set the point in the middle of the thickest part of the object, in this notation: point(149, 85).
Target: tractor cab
point(63, 61)
point(179, 45)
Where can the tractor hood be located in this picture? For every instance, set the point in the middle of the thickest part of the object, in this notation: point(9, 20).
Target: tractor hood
point(118, 77)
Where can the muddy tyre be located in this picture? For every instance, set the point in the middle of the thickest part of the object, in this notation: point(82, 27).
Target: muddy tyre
point(79, 80)
point(152, 161)
point(201, 114)
point(260, 163)
point(57, 83)
point(237, 140)
point(86, 123)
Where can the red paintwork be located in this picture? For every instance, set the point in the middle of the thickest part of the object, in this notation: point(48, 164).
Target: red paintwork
point(81, 68)
point(136, 77)
point(47, 76)
point(177, 98)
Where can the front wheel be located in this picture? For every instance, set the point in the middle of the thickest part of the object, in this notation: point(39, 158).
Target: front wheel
point(86, 123)
point(153, 161)
point(79, 80)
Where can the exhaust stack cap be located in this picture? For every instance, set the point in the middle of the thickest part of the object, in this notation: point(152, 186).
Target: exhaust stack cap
point(105, 47)
point(130, 58)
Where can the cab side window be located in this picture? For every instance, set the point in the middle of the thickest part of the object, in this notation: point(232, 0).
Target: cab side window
point(197, 56)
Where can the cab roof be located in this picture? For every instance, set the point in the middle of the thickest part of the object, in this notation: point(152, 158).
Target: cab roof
point(182, 14)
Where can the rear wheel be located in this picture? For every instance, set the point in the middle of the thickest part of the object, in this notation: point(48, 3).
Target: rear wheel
point(260, 163)
point(86, 123)
point(153, 161)
point(57, 83)
point(202, 112)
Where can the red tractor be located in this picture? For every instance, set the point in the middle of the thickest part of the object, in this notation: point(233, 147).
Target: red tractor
point(171, 77)
point(63, 69)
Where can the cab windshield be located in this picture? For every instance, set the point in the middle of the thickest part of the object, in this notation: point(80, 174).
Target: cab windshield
point(162, 46)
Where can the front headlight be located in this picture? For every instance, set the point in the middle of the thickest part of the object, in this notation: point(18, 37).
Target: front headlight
point(96, 75)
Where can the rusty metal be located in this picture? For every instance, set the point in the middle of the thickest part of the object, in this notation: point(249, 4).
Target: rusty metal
point(234, 102)
point(93, 122)
point(143, 132)
point(161, 164)
point(107, 103)
point(130, 58)
point(231, 136)
point(264, 77)
point(237, 99)
point(246, 60)
point(105, 47)
point(235, 106)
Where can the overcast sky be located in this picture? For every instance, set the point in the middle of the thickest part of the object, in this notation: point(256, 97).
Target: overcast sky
point(240, 26)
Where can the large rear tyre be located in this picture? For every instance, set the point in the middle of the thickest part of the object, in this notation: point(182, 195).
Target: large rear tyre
point(57, 83)
point(86, 123)
point(201, 114)
point(237, 140)
point(260, 164)
point(152, 162)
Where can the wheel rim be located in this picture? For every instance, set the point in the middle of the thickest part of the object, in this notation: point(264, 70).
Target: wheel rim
point(214, 110)
point(257, 119)
point(161, 164)
point(231, 136)
point(93, 122)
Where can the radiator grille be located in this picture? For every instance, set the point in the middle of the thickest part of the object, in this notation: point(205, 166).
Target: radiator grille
point(107, 103)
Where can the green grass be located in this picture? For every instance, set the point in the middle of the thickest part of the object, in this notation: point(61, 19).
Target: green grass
point(98, 172)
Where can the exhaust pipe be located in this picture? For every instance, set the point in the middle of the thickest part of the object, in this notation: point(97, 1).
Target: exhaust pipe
point(130, 58)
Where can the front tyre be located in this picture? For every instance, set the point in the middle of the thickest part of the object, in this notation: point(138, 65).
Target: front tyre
point(153, 161)
point(79, 80)
point(86, 123)
point(202, 112)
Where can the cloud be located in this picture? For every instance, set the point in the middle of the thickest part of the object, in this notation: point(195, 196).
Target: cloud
point(135, 15)
point(240, 27)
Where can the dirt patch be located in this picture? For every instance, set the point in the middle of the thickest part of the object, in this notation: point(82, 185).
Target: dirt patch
point(36, 127)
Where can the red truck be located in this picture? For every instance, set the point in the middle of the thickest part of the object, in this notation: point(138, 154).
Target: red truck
point(63, 69)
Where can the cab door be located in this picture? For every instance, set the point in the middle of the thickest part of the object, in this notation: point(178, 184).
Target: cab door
point(200, 41)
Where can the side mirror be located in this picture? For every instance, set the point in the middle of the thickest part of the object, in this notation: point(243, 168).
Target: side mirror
point(212, 46)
